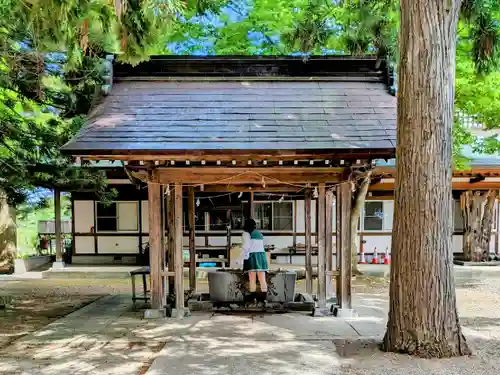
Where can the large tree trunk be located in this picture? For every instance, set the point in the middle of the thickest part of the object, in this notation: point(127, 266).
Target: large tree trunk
point(359, 201)
point(477, 211)
point(7, 235)
point(423, 318)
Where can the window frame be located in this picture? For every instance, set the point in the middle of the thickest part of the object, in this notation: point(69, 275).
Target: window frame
point(273, 229)
point(116, 217)
point(208, 213)
point(362, 217)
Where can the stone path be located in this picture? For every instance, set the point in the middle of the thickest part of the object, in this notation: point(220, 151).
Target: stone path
point(108, 337)
point(102, 337)
point(260, 344)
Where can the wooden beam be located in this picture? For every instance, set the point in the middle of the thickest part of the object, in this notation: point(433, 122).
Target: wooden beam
point(389, 171)
point(178, 258)
point(321, 246)
point(155, 257)
point(329, 241)
point(344, 196)
point(239, 155)
point(251, 206)
point(483, 185)
point(308, 260)
point(192, 240)
point(242, 176)
point(57, 207)
point(250, 188)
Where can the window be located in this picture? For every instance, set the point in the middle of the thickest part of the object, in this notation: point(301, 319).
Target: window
point(374, 216)
point(237, 219)
point(276, 216)
point(263, 215)
point(106, 217)
point(283, 216)
point(117, 216)
point(218, 220)
point(199, 220)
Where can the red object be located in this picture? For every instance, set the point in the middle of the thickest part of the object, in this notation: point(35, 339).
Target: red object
point(375, 257)
point(387, 256)
point(44, 243)
point(362, 260)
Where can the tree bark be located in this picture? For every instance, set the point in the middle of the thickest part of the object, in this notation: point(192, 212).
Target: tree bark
point(8, 236)
point(477, 211)
point(359, 202)
point(487, 224)
point(423, 318)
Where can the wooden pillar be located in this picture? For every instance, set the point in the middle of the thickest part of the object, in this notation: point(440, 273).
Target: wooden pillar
point(321, 246)
point(170, 243)
point(155, 250)
point(251, 205)
point(307, 207)
point(228, 236)
point(344, 196)
point(294, 240)
point(57, 206)
point(163, 242)
point(178, 258)
point(192, 240)
point(329, 241)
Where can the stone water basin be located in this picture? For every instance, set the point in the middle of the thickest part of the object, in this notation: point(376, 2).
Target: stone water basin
point(231, 285)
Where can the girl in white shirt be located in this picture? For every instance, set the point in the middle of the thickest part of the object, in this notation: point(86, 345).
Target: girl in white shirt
point(254, 258)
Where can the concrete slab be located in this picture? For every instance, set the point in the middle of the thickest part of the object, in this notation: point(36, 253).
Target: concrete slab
point(248, 344)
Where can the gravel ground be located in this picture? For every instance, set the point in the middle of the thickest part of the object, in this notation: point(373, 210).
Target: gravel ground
point(37, 303)
point(478, 299)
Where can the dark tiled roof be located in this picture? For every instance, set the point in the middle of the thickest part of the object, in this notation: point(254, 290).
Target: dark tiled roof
point(197, 114)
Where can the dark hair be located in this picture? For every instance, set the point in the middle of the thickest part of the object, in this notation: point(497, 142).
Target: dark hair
point(250, 225)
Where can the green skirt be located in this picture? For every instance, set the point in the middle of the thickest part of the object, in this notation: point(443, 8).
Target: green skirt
point(256, 262)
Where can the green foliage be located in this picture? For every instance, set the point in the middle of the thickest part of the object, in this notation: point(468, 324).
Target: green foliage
point(461, 136)
point(477, 96)
point(28, 217)
point(51, 73)
point(481, 18)
point(356, 27)
point(43, 94)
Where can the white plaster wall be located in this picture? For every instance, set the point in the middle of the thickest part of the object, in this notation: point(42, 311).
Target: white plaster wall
point(118, 245)
point(145, 217)
point(128, 216)
point(84, 216)
point(84, 245)
point(388, 215)
point(380, 242)
point(217, 241)
point(301, 228)
point(301, 216)
point(279, 242)
point(457, 243)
